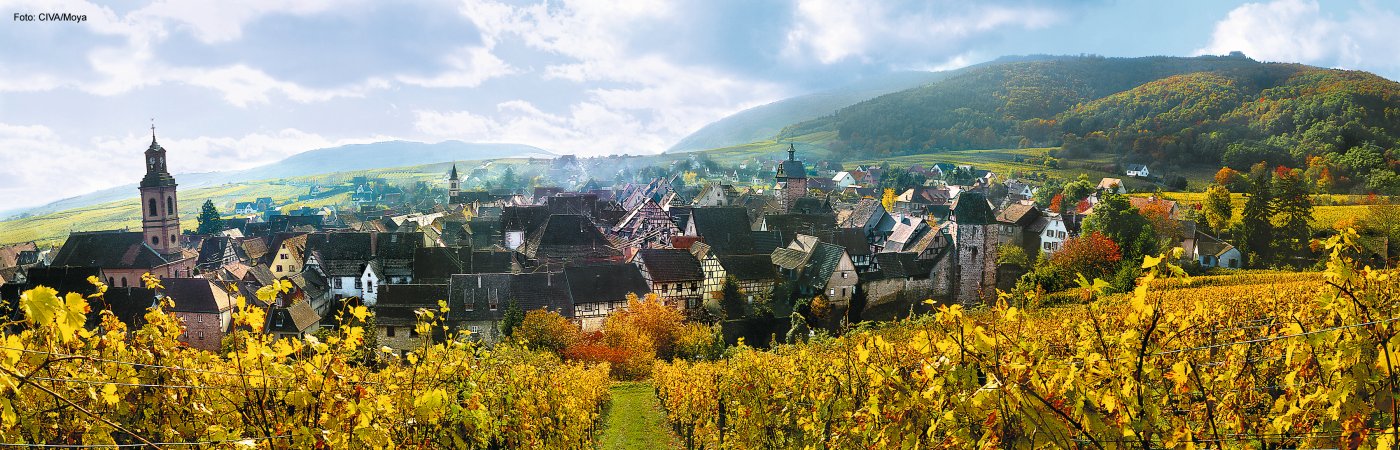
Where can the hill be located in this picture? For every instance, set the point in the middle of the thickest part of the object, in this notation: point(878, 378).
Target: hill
point(345, 158)
point(767, 120)
point(1172, 113)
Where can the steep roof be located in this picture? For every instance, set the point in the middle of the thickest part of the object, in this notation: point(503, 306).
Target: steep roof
point(440, 263)
point(972, 208)
point(9, 254)
point(724, 228)
point(569, 237)
point(669, 265)
point(794, 224)
point(197, 295)
point(903, 265)
point(749, 267)
point(397, 302)
point(108, 249)
point(823, 262)
point(298, 318)
point(543, 290)
point(604, 283)
point(851, 239)
point(471, 295)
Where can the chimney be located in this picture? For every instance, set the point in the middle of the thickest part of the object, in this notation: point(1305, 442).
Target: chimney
point(373, 243)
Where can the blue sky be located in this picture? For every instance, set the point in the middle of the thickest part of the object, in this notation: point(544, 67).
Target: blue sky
point(238, 84)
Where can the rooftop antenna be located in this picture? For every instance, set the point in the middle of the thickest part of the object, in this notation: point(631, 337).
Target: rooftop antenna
point(153, 129)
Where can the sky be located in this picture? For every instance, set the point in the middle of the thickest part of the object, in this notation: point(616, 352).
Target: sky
point(233, 85)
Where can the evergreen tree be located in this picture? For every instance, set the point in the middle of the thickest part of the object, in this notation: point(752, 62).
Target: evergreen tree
point(1256, 230)
point(512, 318)
point(1294, 206)
point(209, 220)
point(1217, 208)
point(735, 304)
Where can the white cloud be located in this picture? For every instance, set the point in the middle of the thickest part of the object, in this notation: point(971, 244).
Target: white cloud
point(214, 21)
point(1298, 31)
point(39, 166)
point(832, 31)
point(469, 68)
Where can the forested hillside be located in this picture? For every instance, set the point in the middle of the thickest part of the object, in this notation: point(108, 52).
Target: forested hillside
point(1160, 110)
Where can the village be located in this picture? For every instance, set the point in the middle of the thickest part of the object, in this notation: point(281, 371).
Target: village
point(820, 241)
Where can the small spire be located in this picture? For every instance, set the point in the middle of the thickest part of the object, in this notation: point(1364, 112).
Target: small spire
point(153, 129)
point(792, 149)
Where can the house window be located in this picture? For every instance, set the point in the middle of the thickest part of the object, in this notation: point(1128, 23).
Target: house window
point(152, 207)
point(389, 331)
point(844, 274)
point(831, 292)
point(337, 282)
point(155, 240)
point(123, 281)
point(279, 268)
point(358, 283)
point(1234, 263)
point(283, 256)
point(843, 292)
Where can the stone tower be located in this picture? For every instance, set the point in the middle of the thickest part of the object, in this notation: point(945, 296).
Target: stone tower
point(160, 214)
point(793, 175)
point(974, 274)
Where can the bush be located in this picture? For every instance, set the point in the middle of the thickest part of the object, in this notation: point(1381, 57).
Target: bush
point(546, 330)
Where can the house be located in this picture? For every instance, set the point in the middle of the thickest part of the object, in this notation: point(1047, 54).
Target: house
point(754, 273)
point(1017, 190)
point(715, 275)
point(843, 180)
point(967, 275)
point(216, 252)
point(673, 274)
point(1112, 184)
point(480, 301)
point(854, 241)
point(311, 287)
point(1136, 170)
point(598, 290)
point(1213, 252)
point(287, 255)
point(1015, 226)
point(646, 225)
point(245, 208)
point(715, 194)
point(1050, 228)
point(569, 239)
point(396, 313)
point(205, 309)
point(724, 229)
point(1168, 205)
point(292, 322)
point(817, 268)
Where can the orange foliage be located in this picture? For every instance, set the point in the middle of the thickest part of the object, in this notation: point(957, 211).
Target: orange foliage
point(1094, 255)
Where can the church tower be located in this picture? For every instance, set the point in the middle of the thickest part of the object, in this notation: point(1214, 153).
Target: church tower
point(454, 185)
point(793, 176)
point(160, 219)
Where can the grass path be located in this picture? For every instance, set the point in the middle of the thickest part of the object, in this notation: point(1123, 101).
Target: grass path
point(635, 420)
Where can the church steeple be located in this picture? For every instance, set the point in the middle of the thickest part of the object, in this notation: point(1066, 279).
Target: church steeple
point(160, 215)
point(454, 185)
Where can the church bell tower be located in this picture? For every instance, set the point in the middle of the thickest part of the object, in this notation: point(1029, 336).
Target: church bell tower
point(160, 219)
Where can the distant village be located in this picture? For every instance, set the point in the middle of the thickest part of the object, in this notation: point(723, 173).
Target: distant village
point(812, 233)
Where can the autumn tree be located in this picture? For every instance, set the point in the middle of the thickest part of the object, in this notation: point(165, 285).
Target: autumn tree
point(887, 200)
point(209, 220)
point(1383, 219)
point(546, 330)
point(1116, 218)
point(1094, 255)
point(1230, 178)
point(1217, 208)
point(1159, 216)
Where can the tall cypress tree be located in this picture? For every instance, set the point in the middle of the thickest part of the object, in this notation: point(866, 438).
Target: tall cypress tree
point(209, 220)
point(1256, 230)
point(1294, 206)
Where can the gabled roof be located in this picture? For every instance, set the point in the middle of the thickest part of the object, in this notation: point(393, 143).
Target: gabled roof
point(725, 228)
point(569, 237)
point(9, 254)
point(903, 265)
point(1211, 245)
point(298, 318)
point(437, 264)
point(472, 295)
point(788, 258)
point(1019, 214)
point(197, 295)
point(794, 224)
point(764, 242)
point(545, 290)
point(851, 239)
point(397, 302)
point(109, 250)
point(604, 283)
point(823, 262)
point(748, 267)
point(669, 265)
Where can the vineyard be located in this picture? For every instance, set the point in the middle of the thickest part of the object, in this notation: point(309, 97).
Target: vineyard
point(63, 384)
point(1303, 361)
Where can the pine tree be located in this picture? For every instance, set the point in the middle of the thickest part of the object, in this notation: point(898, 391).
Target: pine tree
point(209, 220)
point(1294, 206)
point(1256, 229)
point(512, 319)
point(734, 302)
